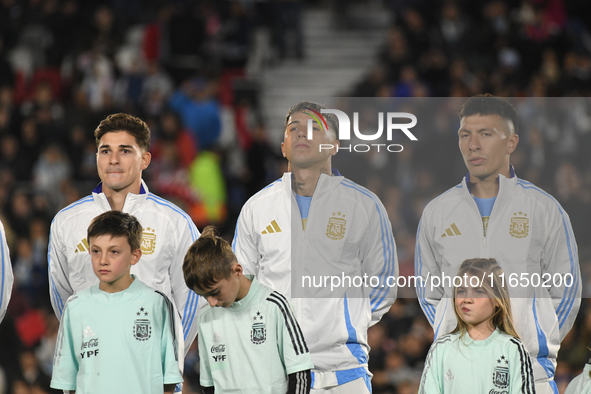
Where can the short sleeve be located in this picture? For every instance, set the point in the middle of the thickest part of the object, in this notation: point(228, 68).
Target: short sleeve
point(169, 345)
point(291, 344)
point(205, 377)
point(65, 363)
point(520, 368)
point(432, 379)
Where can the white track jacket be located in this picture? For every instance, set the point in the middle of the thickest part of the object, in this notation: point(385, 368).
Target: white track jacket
point(347, 233)
point(167, 234)
point(6, 276)
point(531, 237)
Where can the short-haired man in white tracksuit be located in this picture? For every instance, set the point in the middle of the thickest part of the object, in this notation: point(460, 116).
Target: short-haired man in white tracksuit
point(493, 213)
point(315, 221)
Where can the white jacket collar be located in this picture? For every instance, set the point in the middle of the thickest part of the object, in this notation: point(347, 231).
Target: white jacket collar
point(504, 182)
point(131, 200)
point(325, 183)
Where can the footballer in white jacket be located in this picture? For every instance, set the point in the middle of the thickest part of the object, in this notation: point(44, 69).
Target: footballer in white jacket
point(524, 228)
point(167, 230)
point(6, 276)
point(341, 231)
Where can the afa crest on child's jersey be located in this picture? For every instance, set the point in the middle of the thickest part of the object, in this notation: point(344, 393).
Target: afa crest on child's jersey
point(336, 226)
point(142, 330)
point(519, 227)
point(501, 373)
point(148, 245)
point(258, 334)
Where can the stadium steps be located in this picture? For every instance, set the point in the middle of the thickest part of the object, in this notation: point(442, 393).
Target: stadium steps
point(335, 59)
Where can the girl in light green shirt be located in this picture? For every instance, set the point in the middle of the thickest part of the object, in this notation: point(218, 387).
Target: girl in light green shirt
point(483, 354)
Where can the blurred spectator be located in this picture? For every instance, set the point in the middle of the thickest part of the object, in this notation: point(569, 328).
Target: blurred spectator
point(235, 34)
point(29, 271)
point(32, 374)
point(21, 212)
point(31, 143)
point(75, 146)
point(98, 79)
point(171, 131)
point(289, 33)
point(186, 37)
point(45, 350)
point(196, 105)
point(396, 54)
point(452, 28)
point(157, 86)
point(6, 72)
point(206, 179)
point(12, 159)
point(52, 169)
point(417, 32)
point(409, 84)
point(103, 33)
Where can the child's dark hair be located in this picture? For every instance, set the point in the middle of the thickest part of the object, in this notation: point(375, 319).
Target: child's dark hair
point(125, 122)
point(209, 260)
point(117, 224)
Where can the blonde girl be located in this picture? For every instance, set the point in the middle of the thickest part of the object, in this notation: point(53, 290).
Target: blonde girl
point(483, 354)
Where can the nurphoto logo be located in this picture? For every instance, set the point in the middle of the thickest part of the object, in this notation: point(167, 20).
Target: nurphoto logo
point(344, 132)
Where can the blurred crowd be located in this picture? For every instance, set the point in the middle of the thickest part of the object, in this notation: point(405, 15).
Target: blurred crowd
point(536, 48)
point(190, 69)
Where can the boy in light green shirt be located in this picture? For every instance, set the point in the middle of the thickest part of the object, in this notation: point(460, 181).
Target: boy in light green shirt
point(252, 344)
point(117, 336)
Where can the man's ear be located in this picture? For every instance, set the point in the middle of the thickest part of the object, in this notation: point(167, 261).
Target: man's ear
point(146, 159)
point(335, 147)
point(513, 142)
point(283, 148)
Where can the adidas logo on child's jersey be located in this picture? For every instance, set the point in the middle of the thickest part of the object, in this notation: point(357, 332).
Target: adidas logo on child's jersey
point(448, 375)
point(88, 332)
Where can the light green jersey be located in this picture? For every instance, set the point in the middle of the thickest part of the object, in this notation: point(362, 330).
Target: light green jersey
point(116, 343)
point(581, 384)
point(499, 364)
point(251, 346)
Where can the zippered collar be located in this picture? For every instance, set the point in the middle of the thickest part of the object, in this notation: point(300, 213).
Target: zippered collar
point(325, 183)
point(131, 200)
point(513, 177)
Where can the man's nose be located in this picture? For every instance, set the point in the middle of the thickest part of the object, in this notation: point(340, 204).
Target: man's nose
point(114, 158)
point(474, 144)
point(302, 132)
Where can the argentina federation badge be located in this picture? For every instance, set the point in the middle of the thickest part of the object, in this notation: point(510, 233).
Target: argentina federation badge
point(501, 373)
point(142, 330)
point(519, 227)
point(258, 334)
point(148, 245)
point(336, 226)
